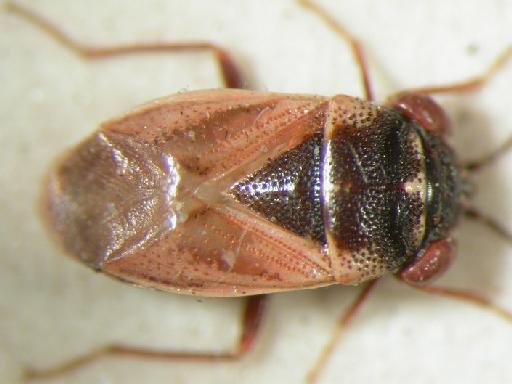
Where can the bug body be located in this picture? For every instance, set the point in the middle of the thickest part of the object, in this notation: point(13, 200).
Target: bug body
point(99, 295)
point(232, 192)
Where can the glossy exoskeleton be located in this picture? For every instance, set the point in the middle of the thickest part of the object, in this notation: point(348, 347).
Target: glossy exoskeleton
point(232, 192)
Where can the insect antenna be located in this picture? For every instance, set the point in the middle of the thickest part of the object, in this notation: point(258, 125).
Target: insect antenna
point(464, 295)
point(472, 84)
point(473, 213)
point(475, 165)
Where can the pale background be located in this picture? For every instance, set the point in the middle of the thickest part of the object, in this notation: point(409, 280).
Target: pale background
point(52, 308)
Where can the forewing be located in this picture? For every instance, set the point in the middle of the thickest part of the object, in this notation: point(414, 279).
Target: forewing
point(222, 251)
point(214, 132)
point(145, 198)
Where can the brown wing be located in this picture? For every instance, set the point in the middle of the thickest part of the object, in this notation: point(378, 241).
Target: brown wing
point(144, 198)
point(211, 133)
point(221, 249)
point(224, 252)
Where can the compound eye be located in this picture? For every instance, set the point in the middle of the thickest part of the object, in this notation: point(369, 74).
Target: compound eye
point(431, 263)
point(422, 109)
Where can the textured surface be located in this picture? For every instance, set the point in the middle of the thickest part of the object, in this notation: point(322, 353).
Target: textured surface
point(110, 196)
point(372, 219)
point(149, 198)
point(145, 198)
point(53, 308)
point(287, 190)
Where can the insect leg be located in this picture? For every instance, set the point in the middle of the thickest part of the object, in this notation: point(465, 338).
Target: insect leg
point(252, 317)
point(231, 75)
point(409, 97)
point(355, 45)
point(345, 319)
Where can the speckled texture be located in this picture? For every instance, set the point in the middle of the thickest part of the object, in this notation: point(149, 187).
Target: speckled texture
point(53, 308)
point(371, 217)
point(287, 190)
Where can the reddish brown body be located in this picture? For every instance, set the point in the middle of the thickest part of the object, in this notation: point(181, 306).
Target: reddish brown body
point(148, 198)
point(156, 197)
point(219, 248)
point(216, 248)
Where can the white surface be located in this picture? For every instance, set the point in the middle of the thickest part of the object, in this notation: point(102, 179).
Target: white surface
point(51, 308)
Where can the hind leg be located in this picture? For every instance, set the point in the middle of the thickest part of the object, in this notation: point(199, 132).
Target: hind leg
point(230, 73)
point(254, 306)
